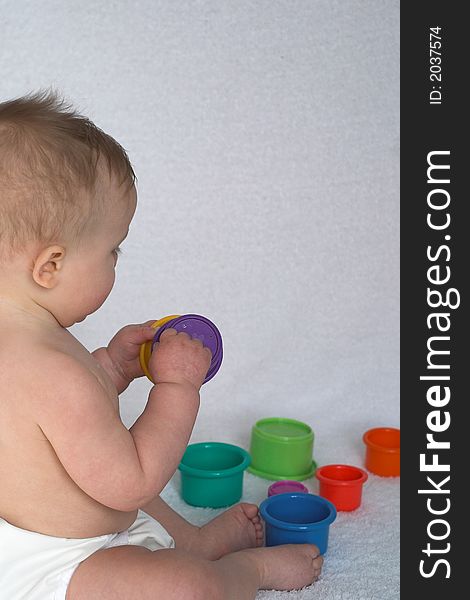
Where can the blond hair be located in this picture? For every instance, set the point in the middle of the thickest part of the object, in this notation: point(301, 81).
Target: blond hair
point(49, 158)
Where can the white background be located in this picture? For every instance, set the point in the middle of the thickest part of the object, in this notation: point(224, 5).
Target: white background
point(265, 138)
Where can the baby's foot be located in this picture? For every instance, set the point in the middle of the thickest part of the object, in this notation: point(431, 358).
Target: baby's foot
point(287, 567)
point(236, 529)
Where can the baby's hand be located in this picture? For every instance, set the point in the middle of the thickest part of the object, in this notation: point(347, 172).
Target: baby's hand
point(177, 358)
point(124, 349)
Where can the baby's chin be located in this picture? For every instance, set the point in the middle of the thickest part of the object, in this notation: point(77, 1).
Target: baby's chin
point(68, 324)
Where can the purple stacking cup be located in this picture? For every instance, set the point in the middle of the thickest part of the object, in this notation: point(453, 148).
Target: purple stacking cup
point(286, 486)
point(200, 328)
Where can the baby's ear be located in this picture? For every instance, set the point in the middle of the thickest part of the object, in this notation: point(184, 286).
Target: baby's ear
point(47, 266)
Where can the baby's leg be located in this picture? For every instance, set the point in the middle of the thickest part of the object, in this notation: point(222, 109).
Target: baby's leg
point(134, 572)
point(237, 528)
point(180, 530)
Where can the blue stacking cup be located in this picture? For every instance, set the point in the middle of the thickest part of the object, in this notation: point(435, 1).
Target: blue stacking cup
point(297, 518)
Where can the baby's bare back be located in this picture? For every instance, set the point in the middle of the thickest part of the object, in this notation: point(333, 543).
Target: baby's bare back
point(36, 492)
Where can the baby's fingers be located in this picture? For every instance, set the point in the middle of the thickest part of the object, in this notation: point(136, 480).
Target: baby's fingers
point(168, 333)
point(131, 335)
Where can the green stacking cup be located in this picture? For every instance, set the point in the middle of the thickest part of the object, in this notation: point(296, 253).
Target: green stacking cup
point(282, 449)
point(212, 474)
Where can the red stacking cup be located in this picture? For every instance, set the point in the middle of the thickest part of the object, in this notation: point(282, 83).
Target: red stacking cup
point(341, 485)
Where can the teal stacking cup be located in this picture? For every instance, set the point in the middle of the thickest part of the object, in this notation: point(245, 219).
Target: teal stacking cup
point(212, 474)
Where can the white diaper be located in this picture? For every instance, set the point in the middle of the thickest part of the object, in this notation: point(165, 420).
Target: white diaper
point(34, 566)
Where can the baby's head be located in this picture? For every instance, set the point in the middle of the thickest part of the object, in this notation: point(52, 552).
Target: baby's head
point(67, 196)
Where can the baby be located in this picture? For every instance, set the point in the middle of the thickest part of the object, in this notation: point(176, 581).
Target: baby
point(80, 513)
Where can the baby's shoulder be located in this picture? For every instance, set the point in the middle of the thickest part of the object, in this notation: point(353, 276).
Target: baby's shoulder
point(26, 373)
point(32, 369)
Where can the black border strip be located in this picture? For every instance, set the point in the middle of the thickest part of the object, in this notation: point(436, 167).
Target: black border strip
point(434, 269)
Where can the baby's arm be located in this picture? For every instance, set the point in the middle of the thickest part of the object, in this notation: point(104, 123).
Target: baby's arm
point(178, 365)
point(119, 468)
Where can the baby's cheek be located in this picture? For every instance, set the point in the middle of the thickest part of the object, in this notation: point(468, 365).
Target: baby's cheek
point(106, 289)
point(100, 290)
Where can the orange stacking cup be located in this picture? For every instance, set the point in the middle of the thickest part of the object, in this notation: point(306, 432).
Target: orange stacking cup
point(383, 451)
point(341, 485)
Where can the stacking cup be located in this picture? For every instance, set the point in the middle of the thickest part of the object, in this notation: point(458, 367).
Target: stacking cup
point(341, 485)
point(282, 449)
point(197, 327)
point(212, 474)
point(297, 519)
point(287, 487)
point(383, 451)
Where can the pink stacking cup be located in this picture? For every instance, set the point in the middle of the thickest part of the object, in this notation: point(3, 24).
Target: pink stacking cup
point(286, 487)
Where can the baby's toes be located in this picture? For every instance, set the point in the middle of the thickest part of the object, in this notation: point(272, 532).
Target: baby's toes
point(250, 510)
point(317, 564)
point(259, 535)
